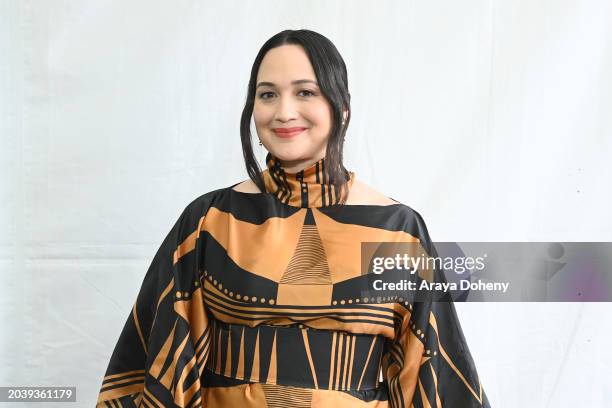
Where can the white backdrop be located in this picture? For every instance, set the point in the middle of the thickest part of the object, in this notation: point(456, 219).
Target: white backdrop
point(490, 118)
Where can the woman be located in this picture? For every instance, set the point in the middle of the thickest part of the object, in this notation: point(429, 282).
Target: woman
point(256, 296)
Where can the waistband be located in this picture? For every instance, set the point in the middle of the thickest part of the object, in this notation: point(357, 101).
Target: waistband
point(295, 355)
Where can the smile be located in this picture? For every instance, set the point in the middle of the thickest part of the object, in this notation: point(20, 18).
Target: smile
point(289, 132)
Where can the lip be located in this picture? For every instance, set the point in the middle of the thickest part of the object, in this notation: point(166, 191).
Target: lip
point(288, 132)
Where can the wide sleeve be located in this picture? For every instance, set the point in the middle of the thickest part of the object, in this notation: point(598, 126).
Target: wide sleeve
point(428, 363)
point(161, 351)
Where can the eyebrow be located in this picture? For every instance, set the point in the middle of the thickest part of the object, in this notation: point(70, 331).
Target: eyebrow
point(296, 82)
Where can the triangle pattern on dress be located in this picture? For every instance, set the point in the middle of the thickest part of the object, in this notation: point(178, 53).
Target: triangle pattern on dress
point(308, 265)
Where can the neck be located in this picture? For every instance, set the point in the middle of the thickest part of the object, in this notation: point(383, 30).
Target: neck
point(294, 166)
point(306, 184)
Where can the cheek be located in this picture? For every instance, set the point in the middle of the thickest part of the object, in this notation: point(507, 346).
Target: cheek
point(262, 114)
point(319, 115)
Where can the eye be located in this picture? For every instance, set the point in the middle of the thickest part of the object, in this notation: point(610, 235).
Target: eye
point(261, 95)
point(306, 90)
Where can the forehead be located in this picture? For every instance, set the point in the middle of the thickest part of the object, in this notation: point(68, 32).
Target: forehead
point(286, 63)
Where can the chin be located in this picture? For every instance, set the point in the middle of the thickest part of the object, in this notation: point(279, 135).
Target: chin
point(296, 150)
point(287, 156)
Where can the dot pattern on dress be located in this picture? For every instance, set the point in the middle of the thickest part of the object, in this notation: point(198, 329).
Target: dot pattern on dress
point(238, 296)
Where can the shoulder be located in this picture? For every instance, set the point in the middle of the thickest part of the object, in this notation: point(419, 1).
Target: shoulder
point(397, 213)
point(363, 194)
point(199, 205)
point(247, 186)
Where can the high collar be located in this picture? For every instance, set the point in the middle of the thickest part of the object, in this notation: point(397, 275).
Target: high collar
point(306, 188)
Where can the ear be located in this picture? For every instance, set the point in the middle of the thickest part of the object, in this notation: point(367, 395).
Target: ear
point(345, 115)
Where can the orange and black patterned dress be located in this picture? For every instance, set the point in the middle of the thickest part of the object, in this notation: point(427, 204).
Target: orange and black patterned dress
point(257, 300)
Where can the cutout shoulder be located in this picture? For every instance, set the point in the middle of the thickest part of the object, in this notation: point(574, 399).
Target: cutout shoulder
point(247, 186)
point(363, 194)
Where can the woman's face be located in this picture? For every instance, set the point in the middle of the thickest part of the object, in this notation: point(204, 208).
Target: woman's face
point(287, 97)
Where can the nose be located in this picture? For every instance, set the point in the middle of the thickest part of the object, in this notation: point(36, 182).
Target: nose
point(285, 109)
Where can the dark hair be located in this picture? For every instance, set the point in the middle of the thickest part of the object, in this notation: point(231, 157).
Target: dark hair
point(330, 71)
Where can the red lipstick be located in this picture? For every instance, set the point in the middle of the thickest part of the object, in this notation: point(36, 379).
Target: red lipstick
point(288, 132)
